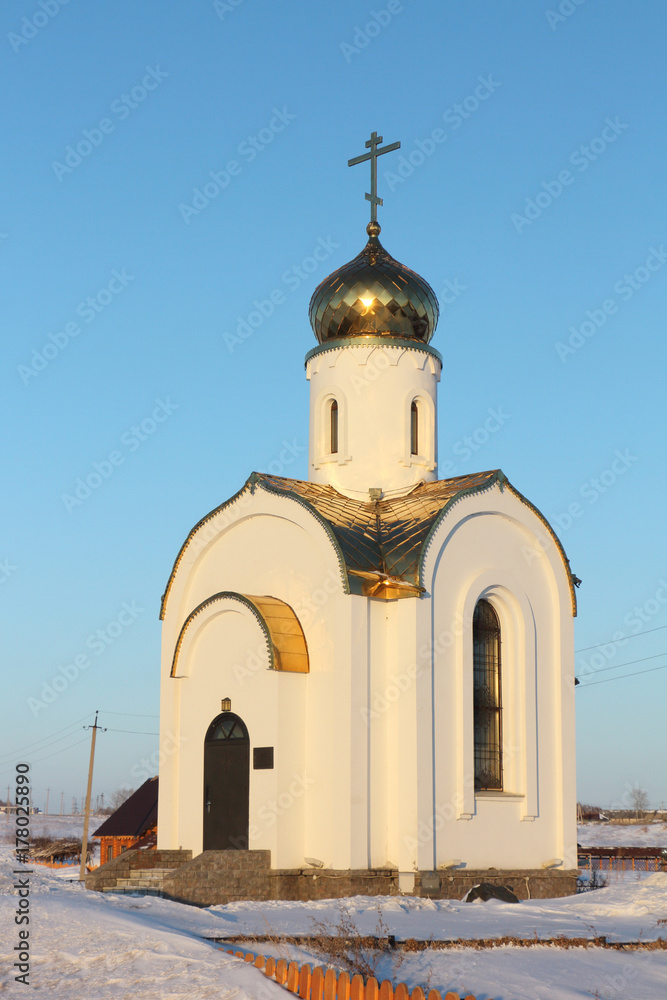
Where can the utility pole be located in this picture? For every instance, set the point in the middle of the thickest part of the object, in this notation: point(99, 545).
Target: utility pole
point(84, 844)
point(46, 811)
point(62, 796)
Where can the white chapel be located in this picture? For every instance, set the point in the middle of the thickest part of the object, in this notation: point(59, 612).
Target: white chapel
point(370, 673)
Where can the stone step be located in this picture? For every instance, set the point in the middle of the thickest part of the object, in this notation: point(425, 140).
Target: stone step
point(144, 890)
point(136, 883)
point(138, 880)
point(154, 873)
point(142, 879)
point(170, 869)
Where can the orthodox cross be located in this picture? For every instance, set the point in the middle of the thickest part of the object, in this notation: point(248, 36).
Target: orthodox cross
point(376, 150)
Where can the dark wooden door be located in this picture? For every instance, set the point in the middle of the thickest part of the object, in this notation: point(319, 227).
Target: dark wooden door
point(226, 784)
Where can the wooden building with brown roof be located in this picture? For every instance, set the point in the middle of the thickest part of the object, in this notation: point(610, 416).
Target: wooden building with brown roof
point(133, 824)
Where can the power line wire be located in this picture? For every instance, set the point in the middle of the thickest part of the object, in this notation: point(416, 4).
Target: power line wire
point(62, 750)
point(641, 659)
point(38, 749)
point(622, 639)
point(635, 674)
point(49, 756)
point(45, 739)
point(135, 731)
point(131, 715)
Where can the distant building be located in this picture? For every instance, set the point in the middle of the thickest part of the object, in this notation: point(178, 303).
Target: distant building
point(591, 815)
point(133, 825)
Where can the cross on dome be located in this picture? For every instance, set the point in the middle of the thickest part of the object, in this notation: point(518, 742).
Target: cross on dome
point(374, 295)
point(375, 150)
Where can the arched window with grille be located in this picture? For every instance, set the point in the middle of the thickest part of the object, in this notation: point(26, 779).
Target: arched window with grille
point(333, 416)
point(487, 699)
point(414, 428)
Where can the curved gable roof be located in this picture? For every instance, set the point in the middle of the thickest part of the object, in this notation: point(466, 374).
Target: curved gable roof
point(285, 642)
point(381, 544)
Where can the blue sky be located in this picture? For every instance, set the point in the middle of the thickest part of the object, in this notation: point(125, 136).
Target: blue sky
point(529, 191)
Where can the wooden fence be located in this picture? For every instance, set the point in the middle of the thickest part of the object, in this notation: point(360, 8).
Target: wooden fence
point(622, 859)
point(324, 984)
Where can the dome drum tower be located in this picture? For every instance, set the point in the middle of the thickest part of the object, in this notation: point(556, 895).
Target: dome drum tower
point(373, 377)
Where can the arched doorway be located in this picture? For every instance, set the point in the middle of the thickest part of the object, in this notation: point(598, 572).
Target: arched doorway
point(226, 784)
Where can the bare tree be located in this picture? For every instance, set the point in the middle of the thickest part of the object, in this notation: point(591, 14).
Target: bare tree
point(639, 799)
point(117, 798)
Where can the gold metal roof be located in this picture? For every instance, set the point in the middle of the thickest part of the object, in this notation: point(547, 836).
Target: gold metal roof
point(383, 539)
point(374, 294)
point(285, 641)
point(381, 544)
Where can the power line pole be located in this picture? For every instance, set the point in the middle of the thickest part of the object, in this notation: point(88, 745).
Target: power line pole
point(84, 844)
point(46, 811)
point(62, 796)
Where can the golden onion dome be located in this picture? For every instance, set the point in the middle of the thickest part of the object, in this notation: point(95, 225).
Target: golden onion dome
point(374, 294)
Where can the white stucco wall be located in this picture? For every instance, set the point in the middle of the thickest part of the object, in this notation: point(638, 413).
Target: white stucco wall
point(304, 807)
point(374, 388)
point(374, 747)
point(494, 546)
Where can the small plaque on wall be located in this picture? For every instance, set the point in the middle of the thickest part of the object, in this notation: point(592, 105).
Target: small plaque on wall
point(262, 758)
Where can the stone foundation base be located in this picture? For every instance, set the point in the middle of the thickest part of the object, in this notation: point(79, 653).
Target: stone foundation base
point(216, 877)
point(525, 883)
point(221, 877)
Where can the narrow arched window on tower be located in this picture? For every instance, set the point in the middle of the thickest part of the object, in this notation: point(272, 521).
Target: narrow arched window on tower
point(334, 427)
point(487, 698)
point(414, 428)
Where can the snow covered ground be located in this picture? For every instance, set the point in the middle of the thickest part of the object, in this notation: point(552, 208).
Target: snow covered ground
point(622, 835)
point(624, 913)
point(90, 946)
point(107, 947)
point(56, 827)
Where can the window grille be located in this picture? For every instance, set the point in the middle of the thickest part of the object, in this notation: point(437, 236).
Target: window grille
point(227, 727)
point(487, 698)
point(334, 427)
point(414, 428)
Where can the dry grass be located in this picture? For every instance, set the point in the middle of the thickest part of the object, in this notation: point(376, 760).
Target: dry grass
point(341, 944)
